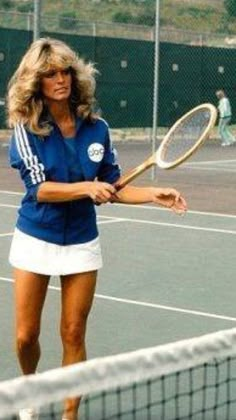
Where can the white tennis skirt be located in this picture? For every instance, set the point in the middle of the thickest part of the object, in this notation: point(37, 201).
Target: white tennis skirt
point(37, 256)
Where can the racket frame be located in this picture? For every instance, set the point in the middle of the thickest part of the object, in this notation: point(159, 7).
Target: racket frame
point(161, 163)
point(156, 158)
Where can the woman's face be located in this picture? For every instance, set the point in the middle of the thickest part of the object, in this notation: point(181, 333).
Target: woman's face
point(56, 85)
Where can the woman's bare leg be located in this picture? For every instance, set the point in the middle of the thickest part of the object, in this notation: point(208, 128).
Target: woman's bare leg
point(30, 292)
point(77, 297)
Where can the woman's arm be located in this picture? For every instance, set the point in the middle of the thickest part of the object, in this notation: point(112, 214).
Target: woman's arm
point(100, 192)
point(166, 197)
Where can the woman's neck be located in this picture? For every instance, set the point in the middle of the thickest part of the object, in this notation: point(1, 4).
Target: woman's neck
point(63, 117)
point(59, 110)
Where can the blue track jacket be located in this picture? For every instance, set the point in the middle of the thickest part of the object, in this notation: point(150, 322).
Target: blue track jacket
point(44, 159)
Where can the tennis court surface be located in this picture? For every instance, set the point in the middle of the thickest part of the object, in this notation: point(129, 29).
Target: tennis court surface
point(165, 278)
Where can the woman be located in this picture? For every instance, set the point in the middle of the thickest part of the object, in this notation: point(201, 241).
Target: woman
point(67, 163)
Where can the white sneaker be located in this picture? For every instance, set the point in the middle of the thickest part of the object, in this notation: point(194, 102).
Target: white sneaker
point(28, 414)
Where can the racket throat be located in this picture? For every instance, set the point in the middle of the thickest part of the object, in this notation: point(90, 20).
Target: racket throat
point(132, 174)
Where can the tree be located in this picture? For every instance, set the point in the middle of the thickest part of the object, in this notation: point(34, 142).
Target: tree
point(230, 6)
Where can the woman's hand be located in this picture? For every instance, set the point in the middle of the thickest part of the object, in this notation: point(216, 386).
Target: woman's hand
point(170, 198)
point(100, 192)
point(166, 197)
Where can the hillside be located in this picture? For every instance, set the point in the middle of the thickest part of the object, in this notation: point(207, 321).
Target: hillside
point(194, 15)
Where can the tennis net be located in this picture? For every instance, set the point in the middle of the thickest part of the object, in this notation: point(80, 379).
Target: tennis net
point(189, 379)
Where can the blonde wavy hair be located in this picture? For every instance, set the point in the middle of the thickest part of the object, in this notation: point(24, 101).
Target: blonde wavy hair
point(25, 102)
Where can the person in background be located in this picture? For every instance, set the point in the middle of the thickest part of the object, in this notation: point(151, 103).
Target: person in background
point(225, 114)
point(68, 165)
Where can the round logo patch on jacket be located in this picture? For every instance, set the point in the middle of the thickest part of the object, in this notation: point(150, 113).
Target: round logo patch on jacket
point(96, 152)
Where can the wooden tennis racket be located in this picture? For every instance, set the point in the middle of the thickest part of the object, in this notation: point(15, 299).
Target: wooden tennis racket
point(182, 140)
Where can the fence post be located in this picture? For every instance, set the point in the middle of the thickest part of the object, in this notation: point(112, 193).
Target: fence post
point(156, 83)
point(37, 7)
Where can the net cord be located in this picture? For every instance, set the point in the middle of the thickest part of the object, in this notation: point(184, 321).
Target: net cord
point(102, 374)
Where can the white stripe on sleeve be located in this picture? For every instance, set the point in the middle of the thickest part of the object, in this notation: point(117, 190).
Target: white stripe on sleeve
point(30, 160)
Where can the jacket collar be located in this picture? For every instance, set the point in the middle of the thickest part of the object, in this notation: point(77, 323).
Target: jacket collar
point(47, 119)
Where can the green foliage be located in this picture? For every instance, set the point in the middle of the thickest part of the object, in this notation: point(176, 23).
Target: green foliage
point(122, 17)
point(25, 7)
point(146, 18)
point(230, 6)
point(6, 4)
point(67, 20)
point(196, 12)
point(187, 15)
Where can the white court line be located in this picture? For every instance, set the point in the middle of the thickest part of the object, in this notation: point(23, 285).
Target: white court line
point(148, 305)
point(219, 165)
point(139, 206)
point(212, 168)
point(111, 220)
point(150, 207)
point(10, 192)
point(150, 222)
point(10, 206)
point(209, 162)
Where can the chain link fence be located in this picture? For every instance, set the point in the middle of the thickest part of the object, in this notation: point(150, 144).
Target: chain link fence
point(191, 67)
point(57, 23)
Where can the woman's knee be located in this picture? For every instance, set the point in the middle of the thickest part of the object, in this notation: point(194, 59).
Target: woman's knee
point(73, 334)
point(26, 339)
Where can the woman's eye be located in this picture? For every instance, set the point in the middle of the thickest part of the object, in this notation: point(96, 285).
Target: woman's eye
point(53, 73)
point(50, 74)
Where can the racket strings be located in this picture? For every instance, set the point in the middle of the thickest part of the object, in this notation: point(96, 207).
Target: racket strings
point(185, 135)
